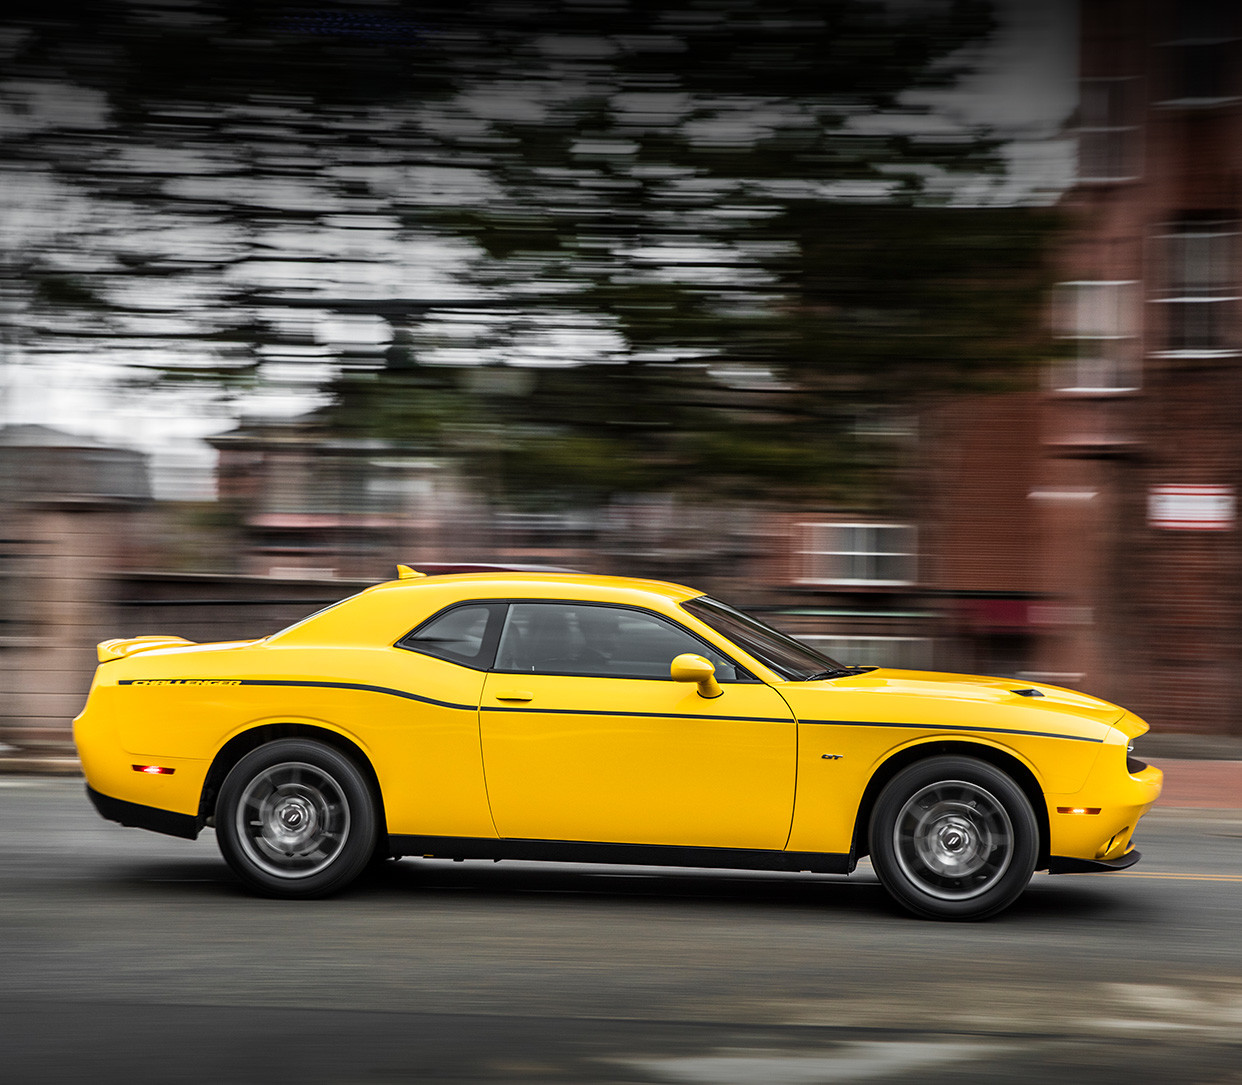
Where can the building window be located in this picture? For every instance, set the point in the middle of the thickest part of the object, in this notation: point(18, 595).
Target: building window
point(871, 554)
point(1199, 292)
point(1108, 132)
point(17, 606)
point(1101, 319)
point(901, 653)
point(1203, 54)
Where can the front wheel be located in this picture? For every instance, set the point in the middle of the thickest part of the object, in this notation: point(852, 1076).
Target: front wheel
point(954, 838)
point(296, 819)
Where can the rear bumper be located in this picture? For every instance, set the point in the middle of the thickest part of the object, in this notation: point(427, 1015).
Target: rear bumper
point(138, 816)
point(1067, 864)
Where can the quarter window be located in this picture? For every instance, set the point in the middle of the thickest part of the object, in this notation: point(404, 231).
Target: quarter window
point(463, 634)
point(601, 641)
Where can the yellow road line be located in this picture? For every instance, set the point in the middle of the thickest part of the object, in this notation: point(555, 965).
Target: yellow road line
point(1165, 874)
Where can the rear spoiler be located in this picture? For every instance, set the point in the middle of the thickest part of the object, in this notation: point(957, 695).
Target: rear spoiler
point(120, 647)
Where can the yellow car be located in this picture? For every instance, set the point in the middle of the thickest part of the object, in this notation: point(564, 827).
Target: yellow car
point(599, 719)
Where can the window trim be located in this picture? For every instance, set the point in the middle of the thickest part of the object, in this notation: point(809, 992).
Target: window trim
point(491, 634)
point(1063, 369)
point(492, 640)
point(744, 675)
point(1132, 131)
point(1218, 290)
point(804, 553)
point(781, 668)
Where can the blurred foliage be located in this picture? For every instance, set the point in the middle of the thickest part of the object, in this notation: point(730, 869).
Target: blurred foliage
point(712, 235)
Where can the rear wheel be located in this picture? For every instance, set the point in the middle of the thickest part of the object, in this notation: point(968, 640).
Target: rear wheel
point(954, 838)
point(296, 818)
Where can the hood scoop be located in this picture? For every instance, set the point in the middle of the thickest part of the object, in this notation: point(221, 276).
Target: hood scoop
point(1027, 692)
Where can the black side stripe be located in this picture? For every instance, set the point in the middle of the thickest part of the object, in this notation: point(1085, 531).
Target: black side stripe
point(313, 685)
point(388, 691)
point(949, 727)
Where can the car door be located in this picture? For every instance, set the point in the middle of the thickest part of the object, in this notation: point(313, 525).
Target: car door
point(586, 737)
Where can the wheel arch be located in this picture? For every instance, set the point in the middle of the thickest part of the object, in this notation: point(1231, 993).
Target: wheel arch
point(1006, 762)
point(251, 739)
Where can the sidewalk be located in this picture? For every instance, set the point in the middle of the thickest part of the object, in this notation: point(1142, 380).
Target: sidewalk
point(1201, 772)
point(1200, 785)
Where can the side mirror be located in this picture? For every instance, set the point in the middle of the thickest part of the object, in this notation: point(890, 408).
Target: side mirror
point(695, 668)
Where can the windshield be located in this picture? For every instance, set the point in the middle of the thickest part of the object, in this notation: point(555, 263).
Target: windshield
point(789, 658)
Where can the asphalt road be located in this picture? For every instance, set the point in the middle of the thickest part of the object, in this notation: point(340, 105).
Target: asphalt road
point(129, 957)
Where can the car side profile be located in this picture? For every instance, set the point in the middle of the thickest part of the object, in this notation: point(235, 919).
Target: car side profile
point(567, 717)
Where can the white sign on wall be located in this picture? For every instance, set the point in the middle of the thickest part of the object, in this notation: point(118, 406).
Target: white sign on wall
point(1191, 508)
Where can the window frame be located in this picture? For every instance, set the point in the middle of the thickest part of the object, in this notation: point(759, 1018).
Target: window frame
point(715, 607)
point(1179, 289)
point(744, 676)
point(1066, 375)
point(491, 634)
point(1203, 39)
point(494, 635)
point(807, 555)
point(1127, 135)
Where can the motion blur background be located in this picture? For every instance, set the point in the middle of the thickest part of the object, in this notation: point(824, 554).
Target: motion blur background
point(909, 324)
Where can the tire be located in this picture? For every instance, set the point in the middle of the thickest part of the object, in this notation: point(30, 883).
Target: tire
point(296, 819)
point(953, 838)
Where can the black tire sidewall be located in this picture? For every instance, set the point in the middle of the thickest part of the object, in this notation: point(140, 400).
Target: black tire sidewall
point(354, 855)
point(1025, 843)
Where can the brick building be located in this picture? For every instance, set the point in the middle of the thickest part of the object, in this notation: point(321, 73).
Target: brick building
point(1085, 533)
point(73, 509)
point(1141, 425)
point(314, 506)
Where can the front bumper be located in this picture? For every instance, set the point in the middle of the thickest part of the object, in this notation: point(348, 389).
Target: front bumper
point(1067, 864)
point(1096, 824)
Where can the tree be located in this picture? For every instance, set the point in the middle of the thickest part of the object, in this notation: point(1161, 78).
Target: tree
point(714, 232)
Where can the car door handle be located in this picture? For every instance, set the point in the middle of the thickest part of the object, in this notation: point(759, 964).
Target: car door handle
point(515, 695)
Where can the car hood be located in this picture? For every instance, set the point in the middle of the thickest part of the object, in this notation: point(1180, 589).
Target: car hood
point(882, 695)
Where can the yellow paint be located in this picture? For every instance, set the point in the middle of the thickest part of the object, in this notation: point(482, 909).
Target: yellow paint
point(767, 764)
point(1122, 800)
point(691, 667)
point(658, 764)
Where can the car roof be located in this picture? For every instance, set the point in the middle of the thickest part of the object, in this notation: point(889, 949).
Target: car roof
point(553, 585)
point(362, 617)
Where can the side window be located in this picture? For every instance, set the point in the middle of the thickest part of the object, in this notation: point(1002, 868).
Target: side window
point(462, 634)
point(601, 641)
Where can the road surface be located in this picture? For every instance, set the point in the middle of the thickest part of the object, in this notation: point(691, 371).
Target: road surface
point(130, 957)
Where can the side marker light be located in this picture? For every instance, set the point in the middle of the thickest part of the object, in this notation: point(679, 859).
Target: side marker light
point(154, 770)
point(1078, 809)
